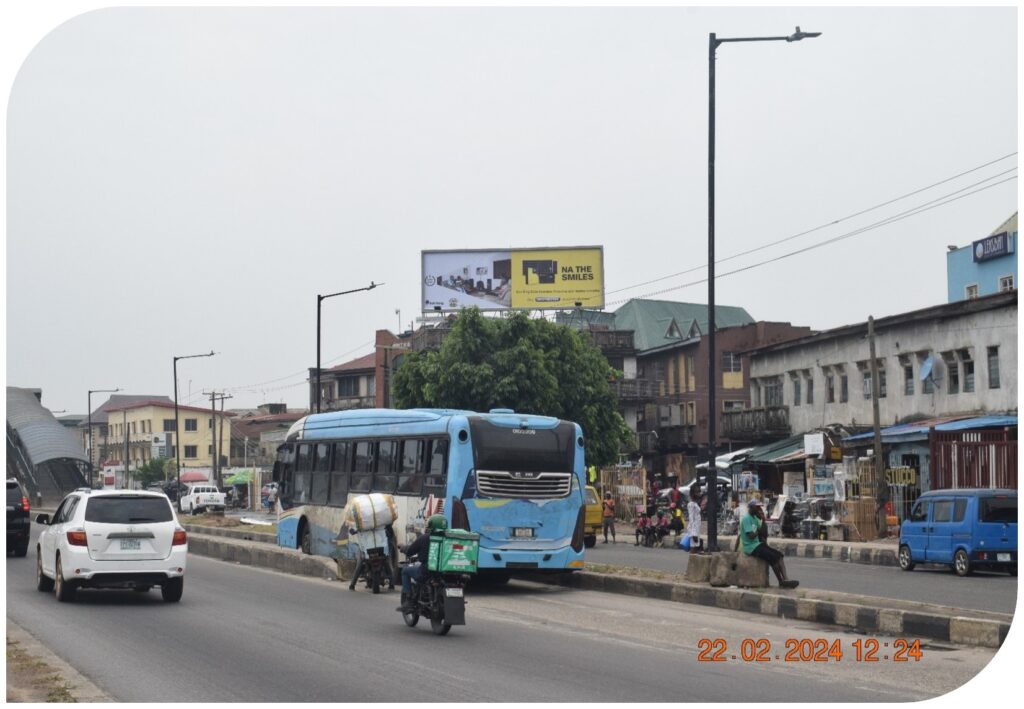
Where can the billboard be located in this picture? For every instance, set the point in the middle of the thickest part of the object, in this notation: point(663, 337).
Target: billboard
point(513, 279)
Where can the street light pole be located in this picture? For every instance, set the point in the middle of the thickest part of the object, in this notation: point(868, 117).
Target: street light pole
point(712, 474)
point(177, 441)
point(89, 408)
point(320, 299)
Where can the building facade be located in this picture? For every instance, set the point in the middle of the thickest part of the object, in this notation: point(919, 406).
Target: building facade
point(986, 266)
point(959, 358)
point(145, 424)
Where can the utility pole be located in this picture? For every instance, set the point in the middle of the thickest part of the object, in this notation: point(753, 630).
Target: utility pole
point(214, 447)
point(879, 475)
point(220, 441)
point(124, 419)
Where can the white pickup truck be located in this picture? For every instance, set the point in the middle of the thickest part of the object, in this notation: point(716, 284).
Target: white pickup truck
point(201, 498)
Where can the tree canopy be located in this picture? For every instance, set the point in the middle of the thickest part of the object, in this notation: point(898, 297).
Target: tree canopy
point(528, 365)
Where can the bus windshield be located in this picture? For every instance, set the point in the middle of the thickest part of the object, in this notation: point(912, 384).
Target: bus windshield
point(528, 450)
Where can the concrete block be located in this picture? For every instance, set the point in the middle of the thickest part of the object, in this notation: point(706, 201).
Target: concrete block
point(846, 614)
point(723, 568)
point(806, 609)
point(751, 572)
point(968, 631)
point(890, 622)
point(698, 568)
point(769, 605)
point(727, 598)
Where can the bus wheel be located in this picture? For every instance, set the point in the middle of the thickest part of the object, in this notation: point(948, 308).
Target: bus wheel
point(305, 539)
point(590, 541)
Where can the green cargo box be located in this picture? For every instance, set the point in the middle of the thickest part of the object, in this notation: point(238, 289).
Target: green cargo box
point(454, 552)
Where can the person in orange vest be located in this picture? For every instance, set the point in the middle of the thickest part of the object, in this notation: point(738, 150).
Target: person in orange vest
point(608, 516)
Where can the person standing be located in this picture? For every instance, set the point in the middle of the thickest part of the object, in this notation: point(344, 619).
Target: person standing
point(608, 517)
point(693, 518)
point(754, 541)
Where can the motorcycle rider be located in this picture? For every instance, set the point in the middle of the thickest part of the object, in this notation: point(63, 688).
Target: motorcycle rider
point(420, 548)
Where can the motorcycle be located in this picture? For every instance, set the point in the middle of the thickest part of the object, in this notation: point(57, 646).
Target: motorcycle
point(440, 597)
point(375, 566)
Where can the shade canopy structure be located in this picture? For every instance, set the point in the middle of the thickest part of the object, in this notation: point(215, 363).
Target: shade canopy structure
point(242, 477)
point(195, 476)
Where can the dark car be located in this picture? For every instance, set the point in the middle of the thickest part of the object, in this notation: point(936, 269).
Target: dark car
point(18, 524)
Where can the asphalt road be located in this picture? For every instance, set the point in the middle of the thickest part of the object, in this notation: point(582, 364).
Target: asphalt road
point(986, 591)
point(245, 634)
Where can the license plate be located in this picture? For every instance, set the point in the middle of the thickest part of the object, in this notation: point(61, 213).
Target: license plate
point(453, 592)
point(522, 532)
point(1002, 557)
point(131, 545)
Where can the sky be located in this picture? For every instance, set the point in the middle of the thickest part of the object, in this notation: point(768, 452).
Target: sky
point(181, 180)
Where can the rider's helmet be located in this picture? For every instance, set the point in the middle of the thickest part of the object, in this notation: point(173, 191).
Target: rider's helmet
point(437, 523)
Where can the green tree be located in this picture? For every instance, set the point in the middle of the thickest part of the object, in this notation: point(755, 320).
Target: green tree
point(152, 471)
point(529, 365)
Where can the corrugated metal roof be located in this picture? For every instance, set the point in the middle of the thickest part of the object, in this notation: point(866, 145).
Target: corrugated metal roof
point(42, 435)
point(652, 321)
point(918, 430)
point(791, 448)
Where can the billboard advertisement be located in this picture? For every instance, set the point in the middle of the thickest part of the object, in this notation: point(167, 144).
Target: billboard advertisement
point(513, 279)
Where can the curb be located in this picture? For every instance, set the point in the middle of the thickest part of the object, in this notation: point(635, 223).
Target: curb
point(962, 630)
point(80, 686)
point(229, 533)
point(234, 546)
point(290, 561)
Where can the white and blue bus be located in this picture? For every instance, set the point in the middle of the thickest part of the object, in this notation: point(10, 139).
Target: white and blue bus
point(516, 479)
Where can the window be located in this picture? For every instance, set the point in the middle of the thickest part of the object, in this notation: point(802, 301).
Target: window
point(971, 291)
point(437, 467)
point(867, 384)
point(920, 512)
point(953, 367)
point(340, 468)
point(732, 405)
point(362, 467)
point(993, 367)
point(830, 389)
point(410, 476)
point(844, 389)
point(881, 384)
point(810, 390)
point(303, 474)
point(168, 425)
point(773, 392)
point(908, 379)
point(965, 356)
point(321, 474)
point(691, 413)
point(1005, 283)
point(191, 424)
point(348, 387)
point(125, 509)
point(191, 452)
point(942, 511)
point(959, 509)
point(731, 362)
point(387, 466)
point(998, 509)
point(209, 449)
point(796, 391)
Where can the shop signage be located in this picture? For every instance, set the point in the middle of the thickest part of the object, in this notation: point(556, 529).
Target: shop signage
point(837, 454)
point(992, 247)
point(513, 279)
point(814, 444)
point(902, 475)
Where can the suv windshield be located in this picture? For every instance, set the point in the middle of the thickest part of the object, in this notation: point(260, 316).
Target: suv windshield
point(128, 509)
point(999, 509)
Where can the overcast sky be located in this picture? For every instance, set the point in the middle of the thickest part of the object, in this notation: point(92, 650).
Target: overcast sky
point(181, 180)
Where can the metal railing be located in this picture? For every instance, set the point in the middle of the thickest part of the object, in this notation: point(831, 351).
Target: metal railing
point(772, 420)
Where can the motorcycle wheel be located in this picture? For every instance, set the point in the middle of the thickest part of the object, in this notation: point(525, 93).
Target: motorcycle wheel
point(411, 619)
point(375, 580)
point(439, 626)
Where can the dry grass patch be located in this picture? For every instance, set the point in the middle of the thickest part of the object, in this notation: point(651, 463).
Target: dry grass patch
point(29, 679)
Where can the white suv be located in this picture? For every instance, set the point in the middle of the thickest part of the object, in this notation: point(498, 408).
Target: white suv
point(111, 539)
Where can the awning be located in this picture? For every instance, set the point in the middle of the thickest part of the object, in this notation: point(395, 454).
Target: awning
point(726, 460)
point(918, 430)
point(195, 476)
point(242, 477)
point(784, 451)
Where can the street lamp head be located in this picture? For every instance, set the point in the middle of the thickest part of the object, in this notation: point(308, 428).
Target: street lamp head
point(798, 35)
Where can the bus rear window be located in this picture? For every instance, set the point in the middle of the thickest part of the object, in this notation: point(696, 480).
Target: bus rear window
point(998, 509)
point(523, 449)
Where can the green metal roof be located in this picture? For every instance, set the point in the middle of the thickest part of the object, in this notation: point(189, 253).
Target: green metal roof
point(772, 452)
point(660, 323)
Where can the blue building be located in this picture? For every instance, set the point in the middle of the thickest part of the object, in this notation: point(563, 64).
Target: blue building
point(986, 267)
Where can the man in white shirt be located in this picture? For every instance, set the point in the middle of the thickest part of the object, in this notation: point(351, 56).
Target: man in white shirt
point(693, 518)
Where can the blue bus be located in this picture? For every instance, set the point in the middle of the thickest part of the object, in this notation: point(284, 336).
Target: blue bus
point(516, 479)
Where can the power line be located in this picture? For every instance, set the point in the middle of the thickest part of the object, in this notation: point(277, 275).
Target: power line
point(822, 226)
point(928, 206)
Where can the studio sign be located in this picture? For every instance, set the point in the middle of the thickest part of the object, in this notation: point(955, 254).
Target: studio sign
point(992, 247)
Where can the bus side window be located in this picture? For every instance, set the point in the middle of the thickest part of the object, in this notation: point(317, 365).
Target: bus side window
point(410, 478)
point(321, 473)
point(362, 469)
point(339, 473)
point(303, 474)
point(437, 464)
point(386, 475)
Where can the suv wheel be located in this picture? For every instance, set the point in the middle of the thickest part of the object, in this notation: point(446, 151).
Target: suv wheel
point(21, 549)
point(905, 558)
point(43, 582)
point(172, 589)
point(64, 590)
